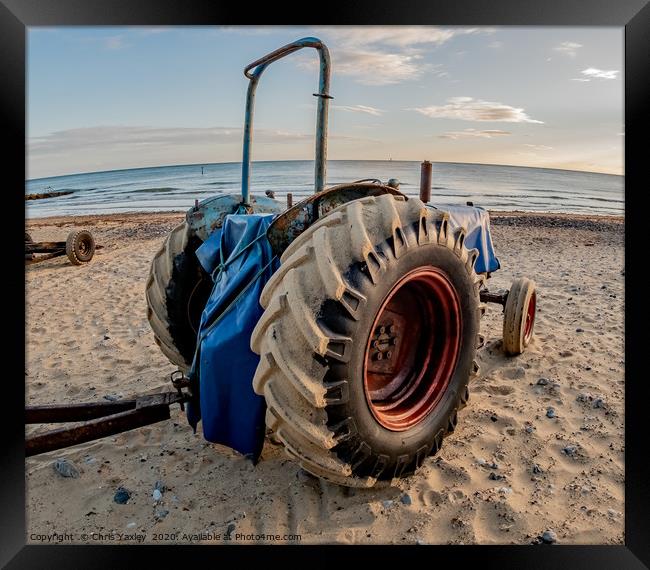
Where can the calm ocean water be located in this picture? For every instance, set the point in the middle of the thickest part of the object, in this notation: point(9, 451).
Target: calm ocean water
point(169, 188)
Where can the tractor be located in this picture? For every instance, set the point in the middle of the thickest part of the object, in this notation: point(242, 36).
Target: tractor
point(344, 327)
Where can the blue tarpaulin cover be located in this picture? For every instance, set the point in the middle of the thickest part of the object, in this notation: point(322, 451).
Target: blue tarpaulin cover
point(240, 261)
point(476, 222)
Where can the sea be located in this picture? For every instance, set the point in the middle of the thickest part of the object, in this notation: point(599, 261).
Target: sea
point(175, 188)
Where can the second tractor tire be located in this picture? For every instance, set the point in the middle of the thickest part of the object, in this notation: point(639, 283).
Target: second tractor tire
point(320, 314)
point(176, 292)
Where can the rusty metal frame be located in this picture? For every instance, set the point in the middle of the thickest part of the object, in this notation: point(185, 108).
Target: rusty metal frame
point(104, 419)
point(290, 224)
point(499, 297)
point(253, 72)
point(50, 249)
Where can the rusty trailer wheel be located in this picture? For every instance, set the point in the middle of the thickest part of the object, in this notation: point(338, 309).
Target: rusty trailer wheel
point(368, 339)
point(80, 247)
point(519, 316)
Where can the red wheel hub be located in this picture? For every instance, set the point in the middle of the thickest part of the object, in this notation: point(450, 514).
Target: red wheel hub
point(413, 348)
point(530, 318)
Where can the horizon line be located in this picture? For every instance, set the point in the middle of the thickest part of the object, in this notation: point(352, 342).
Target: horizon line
point(312, 160)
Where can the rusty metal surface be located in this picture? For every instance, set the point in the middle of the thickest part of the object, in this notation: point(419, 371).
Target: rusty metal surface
point(33, 259)
point(289, 225)
point(253, 72)
point(131, 414)
point(412, 351)
point(500, 297)
point(425, 181)
point(208, 215)
point(94, 429)
point(43, 246)
point(54, 413)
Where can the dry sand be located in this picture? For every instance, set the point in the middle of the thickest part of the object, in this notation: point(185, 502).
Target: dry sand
point(506, 475)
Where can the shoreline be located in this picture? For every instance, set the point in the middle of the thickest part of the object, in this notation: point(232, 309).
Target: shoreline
point(132, 216)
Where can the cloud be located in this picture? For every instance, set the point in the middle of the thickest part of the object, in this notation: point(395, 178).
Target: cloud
point(398, 36)
point(470, 109)
point(139, 137)
point(580, 79)
point(153, 30)
point(386, 55)
point(539, 146)
point(600, 73)
point(110, 147)
point(132, 138)
point(359, 109)
point(114, 42)
point(568, 48)
point(378, 68)
point(473, 133)
point(373, 68)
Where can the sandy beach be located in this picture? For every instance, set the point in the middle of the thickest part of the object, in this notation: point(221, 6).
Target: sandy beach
point(508, 473)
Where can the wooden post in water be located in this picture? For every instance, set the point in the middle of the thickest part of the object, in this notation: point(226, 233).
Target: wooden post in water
point(425, 181)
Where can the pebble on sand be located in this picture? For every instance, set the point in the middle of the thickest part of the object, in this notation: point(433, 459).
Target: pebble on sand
point(122, 496)
point(542, 382)
point(549, 537)
point(570, 450)
point(66, 468)
point(231, 528)
point(160, 514)
point(157, 495)
point(112, 397)
point(406, 499)
point(550, 412)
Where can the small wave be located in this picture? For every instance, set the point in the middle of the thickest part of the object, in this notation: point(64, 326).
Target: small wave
point(154, 190)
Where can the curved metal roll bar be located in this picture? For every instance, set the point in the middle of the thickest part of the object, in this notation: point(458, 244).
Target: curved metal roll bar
point(253, 72)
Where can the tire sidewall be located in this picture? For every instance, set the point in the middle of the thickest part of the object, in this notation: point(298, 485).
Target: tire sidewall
point(79, 238)
point(379, 438)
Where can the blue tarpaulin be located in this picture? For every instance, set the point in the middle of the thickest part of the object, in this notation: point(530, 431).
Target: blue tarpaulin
point(240, 261)
point(476, 222)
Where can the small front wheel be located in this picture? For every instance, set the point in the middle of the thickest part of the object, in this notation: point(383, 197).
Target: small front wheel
point(80, 247)
point(519, 316)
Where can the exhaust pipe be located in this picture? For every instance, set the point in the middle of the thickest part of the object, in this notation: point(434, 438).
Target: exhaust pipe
point(425, 181)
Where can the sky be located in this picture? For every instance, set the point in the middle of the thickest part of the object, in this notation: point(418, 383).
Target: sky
point(127, 97)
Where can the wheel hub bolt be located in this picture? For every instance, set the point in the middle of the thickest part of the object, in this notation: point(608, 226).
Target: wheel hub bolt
point(379, 356)
point(388, 354)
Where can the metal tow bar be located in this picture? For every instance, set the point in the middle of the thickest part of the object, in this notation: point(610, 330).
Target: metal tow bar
point(105, 418)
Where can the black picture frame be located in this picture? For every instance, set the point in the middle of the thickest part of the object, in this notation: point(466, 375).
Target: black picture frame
point(634, 15)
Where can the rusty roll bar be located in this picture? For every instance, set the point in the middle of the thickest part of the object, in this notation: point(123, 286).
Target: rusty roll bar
point(254, 71)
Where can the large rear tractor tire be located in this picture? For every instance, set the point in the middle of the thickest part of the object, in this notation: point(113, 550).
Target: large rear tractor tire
point(519, 316)
point(176, 292)
point(368, 339)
